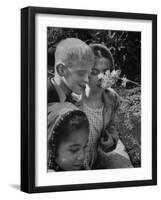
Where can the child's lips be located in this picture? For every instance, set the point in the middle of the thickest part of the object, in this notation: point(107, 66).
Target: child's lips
point(78, 165)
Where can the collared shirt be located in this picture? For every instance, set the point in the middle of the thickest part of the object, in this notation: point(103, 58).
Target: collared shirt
point(56, 94)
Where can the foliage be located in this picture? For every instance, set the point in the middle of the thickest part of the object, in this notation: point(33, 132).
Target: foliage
point(129, 125)
point(124, 45)
point(110, 79)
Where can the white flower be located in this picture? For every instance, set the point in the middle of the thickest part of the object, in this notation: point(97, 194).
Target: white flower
point(124, 81)
point(107, 73)
point(116, 73)
point(100, 76)
point(106, 79)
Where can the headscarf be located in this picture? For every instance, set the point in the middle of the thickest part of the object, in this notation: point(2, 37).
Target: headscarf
point(56, 113)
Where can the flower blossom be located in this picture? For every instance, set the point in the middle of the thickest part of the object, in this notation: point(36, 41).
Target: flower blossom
point(109, 78)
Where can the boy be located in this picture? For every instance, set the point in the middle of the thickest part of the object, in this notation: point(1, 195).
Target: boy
point(73, 62)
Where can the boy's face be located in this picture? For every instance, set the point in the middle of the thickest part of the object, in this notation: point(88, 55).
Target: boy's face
point(71, 153)
point(101, 66)
point(76, 76)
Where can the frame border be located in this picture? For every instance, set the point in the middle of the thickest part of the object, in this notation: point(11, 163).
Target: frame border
point(28, 98)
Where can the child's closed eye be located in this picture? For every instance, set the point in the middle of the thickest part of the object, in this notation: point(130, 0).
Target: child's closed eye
point(95, 71)
point(74, 150)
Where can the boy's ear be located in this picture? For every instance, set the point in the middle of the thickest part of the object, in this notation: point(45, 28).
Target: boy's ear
point(61, 69)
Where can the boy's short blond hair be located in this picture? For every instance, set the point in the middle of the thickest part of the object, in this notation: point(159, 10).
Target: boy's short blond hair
point(73, 49)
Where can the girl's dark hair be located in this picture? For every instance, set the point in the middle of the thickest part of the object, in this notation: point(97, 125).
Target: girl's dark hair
point(71, 122)
point(101, 51)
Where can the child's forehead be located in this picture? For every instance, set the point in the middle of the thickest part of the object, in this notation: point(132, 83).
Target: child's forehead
point(80, 65)
point(77, 137)
point(102, 63)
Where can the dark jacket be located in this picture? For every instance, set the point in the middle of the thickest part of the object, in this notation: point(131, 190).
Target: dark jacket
point(52, 93)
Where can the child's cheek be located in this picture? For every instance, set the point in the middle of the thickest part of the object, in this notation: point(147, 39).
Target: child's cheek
point(93, 78)
point(64, 159)
point(96, 79)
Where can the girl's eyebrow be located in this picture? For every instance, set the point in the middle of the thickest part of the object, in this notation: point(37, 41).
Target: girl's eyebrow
point(106, 69)
point(95, 69)
point(74, 145)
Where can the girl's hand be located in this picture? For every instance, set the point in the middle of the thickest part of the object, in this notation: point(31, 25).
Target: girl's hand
point(107, 143)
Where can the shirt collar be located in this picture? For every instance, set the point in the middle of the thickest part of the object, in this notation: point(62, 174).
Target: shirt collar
point(60, 92)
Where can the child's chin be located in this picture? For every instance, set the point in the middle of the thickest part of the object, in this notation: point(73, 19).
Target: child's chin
point(77, 168)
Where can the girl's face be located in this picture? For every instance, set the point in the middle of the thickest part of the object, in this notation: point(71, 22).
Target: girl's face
point(101, 66)
point(71, 153)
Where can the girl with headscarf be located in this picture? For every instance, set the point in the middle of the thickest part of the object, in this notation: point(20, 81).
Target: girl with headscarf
point(68, 131)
